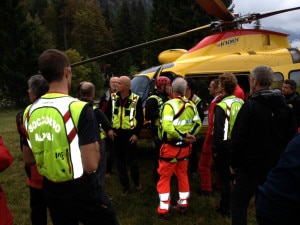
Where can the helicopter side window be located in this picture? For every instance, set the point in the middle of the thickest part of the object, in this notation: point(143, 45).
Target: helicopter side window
point(278, 81)
point(295, 75)
point(295, 53)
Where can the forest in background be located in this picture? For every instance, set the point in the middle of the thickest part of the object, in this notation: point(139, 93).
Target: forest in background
point(89, 28)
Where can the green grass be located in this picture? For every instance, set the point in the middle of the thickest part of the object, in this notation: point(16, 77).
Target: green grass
point(138, 208)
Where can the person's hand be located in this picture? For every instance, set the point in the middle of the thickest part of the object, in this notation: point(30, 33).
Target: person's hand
point(232, 171)
point(190, 138)
point(111, 134)
point(133, 139)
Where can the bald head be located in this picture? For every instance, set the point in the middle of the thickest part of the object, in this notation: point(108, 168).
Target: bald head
point(124, 83)
point(87, 90)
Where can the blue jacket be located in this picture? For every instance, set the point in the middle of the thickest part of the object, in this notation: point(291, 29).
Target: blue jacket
point(278, 199)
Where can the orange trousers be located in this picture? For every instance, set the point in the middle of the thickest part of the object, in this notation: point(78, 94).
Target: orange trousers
point(166, 169)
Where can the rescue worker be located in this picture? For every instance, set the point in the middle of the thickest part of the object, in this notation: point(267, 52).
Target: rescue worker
point(180, 123)
point(206, 159)
point(190, 95)
point(87, 93)
point(225, 113)
point(127, 120)
point(153, 109)
point(63, 140)
point(113, 83)
point(37, 86)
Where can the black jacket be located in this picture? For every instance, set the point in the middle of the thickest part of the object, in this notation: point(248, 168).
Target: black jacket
point(100, 116)
point(263, 127)
point(293, 101)
point(152, 110)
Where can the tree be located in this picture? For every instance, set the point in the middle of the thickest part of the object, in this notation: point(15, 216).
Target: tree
point(58, 18)
point(90, 35)
point(169, 17)
point(139, 21)
point(22, 40)
point(123, 37)
point(89, 72)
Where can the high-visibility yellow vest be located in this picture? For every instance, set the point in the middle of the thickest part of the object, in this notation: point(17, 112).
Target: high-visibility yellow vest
point(160, 105)
point(179, 116)
point(51, 124)
point(123, 117)
point(231, 106)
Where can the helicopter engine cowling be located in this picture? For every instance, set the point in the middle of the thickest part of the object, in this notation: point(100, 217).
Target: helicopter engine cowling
point(170, 55)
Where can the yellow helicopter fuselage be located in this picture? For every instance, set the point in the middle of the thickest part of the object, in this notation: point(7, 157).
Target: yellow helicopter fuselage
point(235, 51)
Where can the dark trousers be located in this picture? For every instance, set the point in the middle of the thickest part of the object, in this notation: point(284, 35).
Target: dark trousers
point(223, 171)
point(244, 189)
point(78, 201)
point(109, 155)
point(101, 174)
point(157, 145)
point(126, 153)
point(38, 206)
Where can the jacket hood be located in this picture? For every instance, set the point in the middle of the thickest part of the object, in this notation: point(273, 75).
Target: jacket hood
point(270, 98)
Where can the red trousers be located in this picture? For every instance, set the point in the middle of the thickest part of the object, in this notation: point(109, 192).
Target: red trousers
point(6, 217)
point(166, 169)
point(204, 165)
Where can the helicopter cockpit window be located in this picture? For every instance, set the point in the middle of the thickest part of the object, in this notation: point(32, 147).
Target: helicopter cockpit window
point(140, 86)
point(278, 80)
point(295, 75)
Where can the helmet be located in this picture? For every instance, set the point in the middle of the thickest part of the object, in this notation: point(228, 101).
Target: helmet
point(162, 80)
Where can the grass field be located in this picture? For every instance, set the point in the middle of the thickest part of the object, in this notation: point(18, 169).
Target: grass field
point(138, 208)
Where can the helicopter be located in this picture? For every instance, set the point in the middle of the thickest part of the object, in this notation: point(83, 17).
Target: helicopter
point(230, 48)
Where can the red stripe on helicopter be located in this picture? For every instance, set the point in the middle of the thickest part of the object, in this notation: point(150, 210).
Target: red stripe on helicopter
point(215, 38)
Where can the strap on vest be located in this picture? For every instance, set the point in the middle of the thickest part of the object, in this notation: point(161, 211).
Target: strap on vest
point(173, 160)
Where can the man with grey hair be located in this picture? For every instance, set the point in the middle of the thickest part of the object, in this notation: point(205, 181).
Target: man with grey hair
point(180, 123)
point(37, 86)
point(263, 127)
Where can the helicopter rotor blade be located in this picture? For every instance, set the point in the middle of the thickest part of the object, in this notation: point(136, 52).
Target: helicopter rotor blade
point(216, 8)
point(142, 45)
point(257, 16)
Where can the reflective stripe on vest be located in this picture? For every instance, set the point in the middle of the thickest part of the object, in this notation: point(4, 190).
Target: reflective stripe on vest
point(177, 121)
point(180, 123)
point(102, 132)
point(67, 159)
point(196, 99)
point(226, 105)
point(132, 110)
